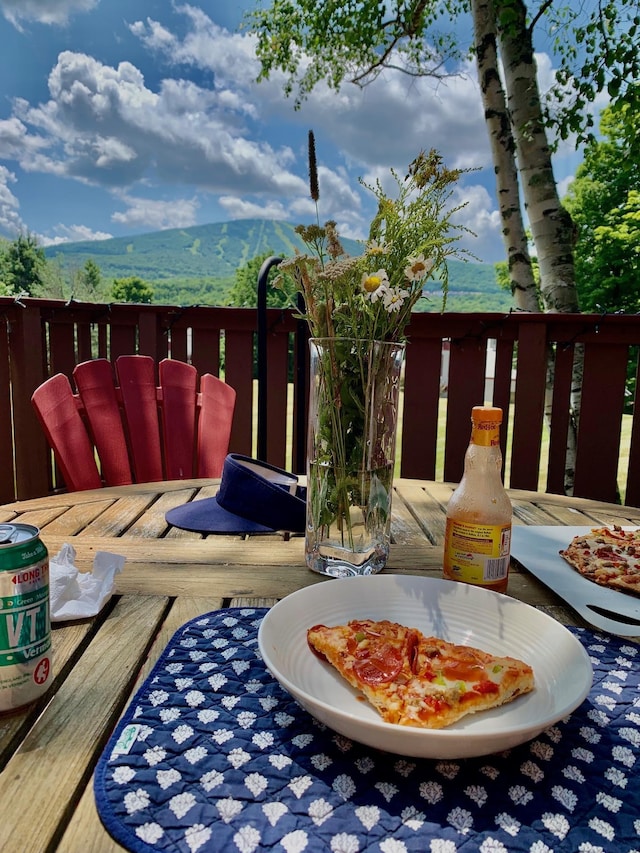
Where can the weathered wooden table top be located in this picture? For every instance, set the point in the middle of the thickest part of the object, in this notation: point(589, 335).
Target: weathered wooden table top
point(48, 752)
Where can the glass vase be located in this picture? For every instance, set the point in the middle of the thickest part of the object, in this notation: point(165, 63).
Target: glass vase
point(353, 419)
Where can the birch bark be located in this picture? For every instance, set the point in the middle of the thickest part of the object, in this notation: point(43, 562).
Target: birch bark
point(551, 225)
point(523, 285)
point(518, 138)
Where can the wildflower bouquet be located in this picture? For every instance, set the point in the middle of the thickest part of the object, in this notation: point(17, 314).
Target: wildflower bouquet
point(357, 308)
point(371, 296)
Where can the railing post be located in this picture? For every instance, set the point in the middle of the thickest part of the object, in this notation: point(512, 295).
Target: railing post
point(7, 465)
point(263, 280)
point(300, 393)
point(27, 373)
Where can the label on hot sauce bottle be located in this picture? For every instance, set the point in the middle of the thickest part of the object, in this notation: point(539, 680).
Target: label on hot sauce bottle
point(477, 553)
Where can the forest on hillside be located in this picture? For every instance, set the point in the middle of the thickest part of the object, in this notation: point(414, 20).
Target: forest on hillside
point(198, 266)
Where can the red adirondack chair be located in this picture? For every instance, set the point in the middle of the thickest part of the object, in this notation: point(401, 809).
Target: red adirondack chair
point(140, 432)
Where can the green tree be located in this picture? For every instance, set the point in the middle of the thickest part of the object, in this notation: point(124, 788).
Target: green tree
point(54, 281)
point(23, 265)
point(600, 55)
point(322, 40)
point(244, 292)
point(88, 284)
point(4, 287)
point(604, 201)
point(132, 289)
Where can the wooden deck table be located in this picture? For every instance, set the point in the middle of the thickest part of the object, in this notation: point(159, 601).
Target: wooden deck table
point(48, 752)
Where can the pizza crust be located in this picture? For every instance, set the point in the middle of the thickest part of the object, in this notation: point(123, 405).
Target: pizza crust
point(414, 680)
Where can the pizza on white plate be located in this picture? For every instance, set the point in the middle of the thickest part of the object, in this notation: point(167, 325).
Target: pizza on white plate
point(415, 680)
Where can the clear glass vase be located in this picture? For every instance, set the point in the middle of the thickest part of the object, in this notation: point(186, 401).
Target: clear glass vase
point(353, 418)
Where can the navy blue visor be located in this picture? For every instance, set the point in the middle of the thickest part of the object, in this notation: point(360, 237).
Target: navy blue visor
point(254, 497)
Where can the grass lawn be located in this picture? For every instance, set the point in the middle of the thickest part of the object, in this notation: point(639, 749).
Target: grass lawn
point(544, 452)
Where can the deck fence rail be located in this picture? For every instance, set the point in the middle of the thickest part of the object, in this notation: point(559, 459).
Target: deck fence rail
point(461, 359)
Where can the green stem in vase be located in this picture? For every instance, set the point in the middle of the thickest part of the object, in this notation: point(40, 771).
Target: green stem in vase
point(350, 469)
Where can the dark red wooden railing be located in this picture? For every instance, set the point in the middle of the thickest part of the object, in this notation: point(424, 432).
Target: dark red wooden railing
point(41, 337)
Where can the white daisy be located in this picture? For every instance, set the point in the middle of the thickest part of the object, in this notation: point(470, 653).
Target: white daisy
point(393, 299)
point(377, 294)
point(418, 267)
point(375, 248)
point(372, 281)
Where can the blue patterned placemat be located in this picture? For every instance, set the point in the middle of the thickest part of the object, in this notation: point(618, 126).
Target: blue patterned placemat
point(213, 755)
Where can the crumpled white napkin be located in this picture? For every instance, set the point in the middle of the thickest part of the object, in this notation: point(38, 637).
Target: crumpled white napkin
point(78, 595)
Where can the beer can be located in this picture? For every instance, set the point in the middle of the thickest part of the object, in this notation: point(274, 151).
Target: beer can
point(25, 622)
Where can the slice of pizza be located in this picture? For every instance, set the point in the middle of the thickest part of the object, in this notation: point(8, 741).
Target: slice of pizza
point(413, 680)
point(607, 556)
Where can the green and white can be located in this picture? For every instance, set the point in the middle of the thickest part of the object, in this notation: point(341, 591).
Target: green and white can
point(25, 622)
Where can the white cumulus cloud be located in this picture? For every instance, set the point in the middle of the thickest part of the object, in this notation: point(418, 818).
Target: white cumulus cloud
point(72, 234)
point(10, 221)
point(156, 214)
point(238, 208)
point(43, 11)
point(103, 125)
point(383, 125)
point(204, 128)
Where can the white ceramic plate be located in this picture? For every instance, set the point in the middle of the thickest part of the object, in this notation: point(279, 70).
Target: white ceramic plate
point(455, 612)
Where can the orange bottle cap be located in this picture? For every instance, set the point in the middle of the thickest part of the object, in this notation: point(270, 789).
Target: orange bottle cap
point(486, 414)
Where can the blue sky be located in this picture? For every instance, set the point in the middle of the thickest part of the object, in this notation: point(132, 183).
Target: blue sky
point(121, 117)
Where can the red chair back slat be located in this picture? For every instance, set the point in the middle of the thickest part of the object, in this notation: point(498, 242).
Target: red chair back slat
point(136, 377)
point(178, 384)
point(65, 431)
point(94, 381)
point(217, 403)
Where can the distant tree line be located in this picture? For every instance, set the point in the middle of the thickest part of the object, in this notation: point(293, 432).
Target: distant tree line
point(26, 271)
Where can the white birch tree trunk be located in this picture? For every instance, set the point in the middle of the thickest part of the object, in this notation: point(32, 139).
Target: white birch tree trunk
point(551, 225)
point(518, 125)
point(523, 285)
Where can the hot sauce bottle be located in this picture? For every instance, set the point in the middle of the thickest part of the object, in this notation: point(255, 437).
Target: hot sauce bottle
point(477, 543)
